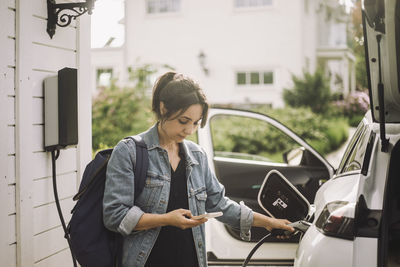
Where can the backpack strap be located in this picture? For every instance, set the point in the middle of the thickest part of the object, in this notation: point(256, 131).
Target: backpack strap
point(100, 160)
point(141, 164)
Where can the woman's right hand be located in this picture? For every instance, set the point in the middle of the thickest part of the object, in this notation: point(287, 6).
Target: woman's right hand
point(182, 219)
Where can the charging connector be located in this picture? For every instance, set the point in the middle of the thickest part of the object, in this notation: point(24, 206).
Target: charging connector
point(299, 226)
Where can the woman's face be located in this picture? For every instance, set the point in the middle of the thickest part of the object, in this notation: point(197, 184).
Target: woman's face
point(179, 128)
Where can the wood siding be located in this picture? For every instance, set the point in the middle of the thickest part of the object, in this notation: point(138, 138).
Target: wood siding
point(8, 247)
point(30, 230)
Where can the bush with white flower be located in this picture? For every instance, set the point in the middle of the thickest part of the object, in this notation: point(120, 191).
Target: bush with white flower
point(354, 106)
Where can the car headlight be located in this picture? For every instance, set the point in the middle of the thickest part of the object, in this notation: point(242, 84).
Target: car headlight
point(337, 219)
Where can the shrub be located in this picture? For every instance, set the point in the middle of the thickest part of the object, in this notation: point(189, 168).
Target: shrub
point(324, 133)
point(248, 136)
point(353, 106)
point(311, 90)
point(355, 103)
point(120, 112)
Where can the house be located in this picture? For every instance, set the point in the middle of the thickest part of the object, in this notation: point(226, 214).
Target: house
point(30, 229)
point(241, 51)
point(109, 64)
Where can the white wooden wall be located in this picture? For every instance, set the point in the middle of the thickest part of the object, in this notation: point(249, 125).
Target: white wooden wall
point(8, 247)
point(30, 230)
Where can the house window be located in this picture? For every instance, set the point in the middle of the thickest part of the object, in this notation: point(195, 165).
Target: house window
point(104, 77)
point(252, 3)
point(241, 78)
point(268, 77)
point(306, 6)
point(163, 6)
point(254, 78)
point(307, 64)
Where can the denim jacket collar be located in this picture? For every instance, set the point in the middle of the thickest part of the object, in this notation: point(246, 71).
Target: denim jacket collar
point(152, 140)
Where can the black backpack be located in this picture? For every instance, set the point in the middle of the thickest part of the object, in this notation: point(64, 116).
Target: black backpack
point(92, 244)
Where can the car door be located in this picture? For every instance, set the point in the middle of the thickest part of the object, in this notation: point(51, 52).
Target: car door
point(242, 148)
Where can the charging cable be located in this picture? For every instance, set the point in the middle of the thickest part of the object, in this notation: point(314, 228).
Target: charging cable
point(262, 240)
point(54, 156)
point(299, 226)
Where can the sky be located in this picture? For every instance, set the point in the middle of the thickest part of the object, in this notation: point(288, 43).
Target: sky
point(104, 18)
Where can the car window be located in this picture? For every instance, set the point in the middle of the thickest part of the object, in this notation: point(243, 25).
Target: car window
point(249, 138)
point(355, 151)
point(357, 156)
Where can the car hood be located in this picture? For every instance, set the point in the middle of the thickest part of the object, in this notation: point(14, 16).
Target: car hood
point(381, 20)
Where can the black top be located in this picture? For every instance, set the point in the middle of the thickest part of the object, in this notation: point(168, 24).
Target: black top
point(175, 247)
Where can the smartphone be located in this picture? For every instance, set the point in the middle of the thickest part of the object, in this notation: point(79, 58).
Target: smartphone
point(208, 215)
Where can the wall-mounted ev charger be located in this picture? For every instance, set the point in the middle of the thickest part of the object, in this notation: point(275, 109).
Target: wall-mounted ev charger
point(61, 110)
point(60, 124)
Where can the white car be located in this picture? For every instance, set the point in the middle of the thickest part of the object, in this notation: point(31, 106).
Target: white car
point(355, 214)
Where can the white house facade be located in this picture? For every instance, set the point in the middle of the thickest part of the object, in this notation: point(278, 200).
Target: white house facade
point(332, 50)
point(241, 51)
point(30, 230)
point(106, 63)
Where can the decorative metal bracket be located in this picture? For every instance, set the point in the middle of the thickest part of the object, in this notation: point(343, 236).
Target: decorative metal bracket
point(63, 14)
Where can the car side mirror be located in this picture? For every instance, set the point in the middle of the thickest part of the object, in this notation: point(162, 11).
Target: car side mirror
point(280, 199)
point(293, 157)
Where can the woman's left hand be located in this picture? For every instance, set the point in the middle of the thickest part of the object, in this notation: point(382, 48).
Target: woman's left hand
point(271, 223)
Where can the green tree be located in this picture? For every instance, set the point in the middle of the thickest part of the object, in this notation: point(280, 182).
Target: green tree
point(120, 112)
point(311, 90)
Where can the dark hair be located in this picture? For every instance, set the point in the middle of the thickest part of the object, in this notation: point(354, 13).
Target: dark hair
point(178, 93)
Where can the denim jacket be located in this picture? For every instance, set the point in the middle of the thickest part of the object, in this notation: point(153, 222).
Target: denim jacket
point(205, 194)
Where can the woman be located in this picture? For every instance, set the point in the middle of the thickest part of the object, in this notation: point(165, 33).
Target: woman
point(159, 229)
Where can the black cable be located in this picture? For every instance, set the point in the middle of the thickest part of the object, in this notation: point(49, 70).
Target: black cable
point(53, 163)
point(57, 153)
point(262, 240)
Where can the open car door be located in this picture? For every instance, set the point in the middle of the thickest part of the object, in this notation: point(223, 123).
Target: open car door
point(243, 147)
